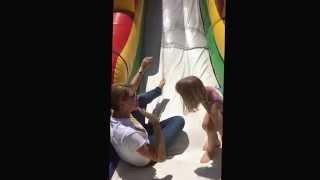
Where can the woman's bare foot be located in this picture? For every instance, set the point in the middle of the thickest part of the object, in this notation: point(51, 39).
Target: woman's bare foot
point(162, 83)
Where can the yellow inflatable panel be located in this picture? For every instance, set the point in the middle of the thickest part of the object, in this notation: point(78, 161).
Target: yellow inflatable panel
point(130, 49)
point(219, 34)
point(124, 5)
point(218, 26)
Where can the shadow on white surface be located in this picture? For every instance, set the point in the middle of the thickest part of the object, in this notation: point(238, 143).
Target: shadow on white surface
point(128, 172)
point(213, 170)
point(179, 145)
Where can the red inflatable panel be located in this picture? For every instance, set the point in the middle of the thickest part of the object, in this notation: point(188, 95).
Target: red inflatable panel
point(122, 23)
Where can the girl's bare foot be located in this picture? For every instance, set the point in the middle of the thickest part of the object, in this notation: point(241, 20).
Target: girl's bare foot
point(207, 156)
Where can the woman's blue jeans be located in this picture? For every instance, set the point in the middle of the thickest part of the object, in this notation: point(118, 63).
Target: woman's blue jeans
point(170, 127)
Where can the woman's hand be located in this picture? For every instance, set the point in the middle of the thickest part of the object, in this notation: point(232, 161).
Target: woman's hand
point(146, 63)
point(153, 118)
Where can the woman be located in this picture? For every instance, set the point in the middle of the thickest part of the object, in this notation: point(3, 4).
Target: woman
point(193, 93)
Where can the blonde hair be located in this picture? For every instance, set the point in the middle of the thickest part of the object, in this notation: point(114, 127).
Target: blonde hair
point(193, 92)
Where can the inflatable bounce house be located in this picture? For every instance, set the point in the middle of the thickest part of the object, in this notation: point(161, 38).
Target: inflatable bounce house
point(126, 38)
point(184, 37)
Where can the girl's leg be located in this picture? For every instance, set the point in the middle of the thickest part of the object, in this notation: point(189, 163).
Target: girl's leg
point(208, 125)
point(220, 126)
point(212, 142)
point(205, 146)
point(205, 127)
point(211, 148)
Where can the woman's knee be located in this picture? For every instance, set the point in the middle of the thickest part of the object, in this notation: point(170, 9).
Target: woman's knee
point(180, 121)
point(142, 101)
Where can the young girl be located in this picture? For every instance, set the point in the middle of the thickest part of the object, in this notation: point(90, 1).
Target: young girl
point(193, 93)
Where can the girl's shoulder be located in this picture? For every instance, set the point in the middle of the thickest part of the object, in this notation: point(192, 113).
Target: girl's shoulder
point(214, 94)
